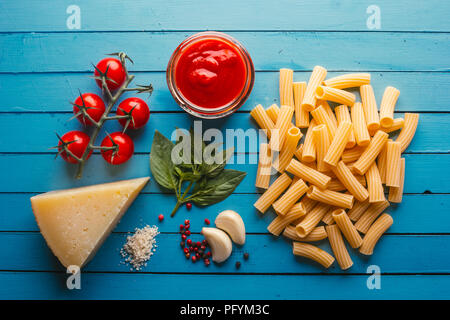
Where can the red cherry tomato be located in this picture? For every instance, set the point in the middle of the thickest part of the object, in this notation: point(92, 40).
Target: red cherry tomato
point(95, 107)
point(140, 113)
point(125, 148)
point(115, 72)
point(77, 142)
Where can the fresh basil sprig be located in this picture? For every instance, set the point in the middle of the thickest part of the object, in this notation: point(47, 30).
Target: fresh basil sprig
point(208, 179)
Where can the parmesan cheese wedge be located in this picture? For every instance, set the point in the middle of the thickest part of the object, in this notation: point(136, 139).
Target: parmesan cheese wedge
point(76, 222)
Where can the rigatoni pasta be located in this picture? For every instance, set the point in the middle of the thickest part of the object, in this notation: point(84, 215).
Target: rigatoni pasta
point(338, 246)
point(370, 154)
point(314, 253)
point(374, 185)
point(379, 227)
point(342, 114)
point(316, 234)
point(294, 193)
point(301, 115)
point(347, 228)
point(317, 76)
point(308, 174)
point(322, 141)
point(396, 194)
point(346, 157)
point(409, 129)
point(338, 143)
point(332, 198)
point(348, 80)
point(272, 193)
point(262, 119)
point(359, 125)
point(286, 89)
point(335, 95)
point(369, 105)
point(387, 106)
point(264, 166)
point(393, 156)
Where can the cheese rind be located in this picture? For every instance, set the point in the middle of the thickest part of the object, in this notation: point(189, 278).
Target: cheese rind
point(76, 222)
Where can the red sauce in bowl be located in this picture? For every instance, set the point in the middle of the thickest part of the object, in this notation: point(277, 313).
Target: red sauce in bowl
point(210, 75)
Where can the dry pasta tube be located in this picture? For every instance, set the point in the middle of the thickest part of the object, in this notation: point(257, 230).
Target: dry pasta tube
point(342, 114)
point(350, 182)
point(338, 246)
point(293, 136)
point(308, 174)
point(314, 253)
point(353, 154)
point(328, 218)
point(396, 125)
point(292, 195)
point(347, 228)
point(374, 185)
point(370, 154)
point(350, 80)
point(320, 115)
point(316, 234)
point(396, 194)
point(311, 220)
point(286, 90)
point(365, 221)
point(393, 164)
point(381, 162)
point(298, 152)
point(309, 99)
point(338, 143)
point(370, 108)
point(375, 232)
point(279, 223)
point(335, 95)
point(301, 115)
point(322, 142)
point(273, 112)
point(409, 129)
point(309, 147)
point(332, 198)
point(328, 110)
point(271, 194)
point(262, 119)
point(359, 125)
point(387, 106)
point(336, 185)
point(278, 134)
point(263, 173)
point(358, 209)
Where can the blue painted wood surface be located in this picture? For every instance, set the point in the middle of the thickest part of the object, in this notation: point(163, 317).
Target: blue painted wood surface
point(43, 63)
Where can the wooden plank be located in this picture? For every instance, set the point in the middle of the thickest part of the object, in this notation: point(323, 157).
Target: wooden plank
point(420, 91)
point(44, 285)
point(43, 52)
point(186, 15)
point(428, 137)
point(393, 254)
point(424, 172)
point(409, 216)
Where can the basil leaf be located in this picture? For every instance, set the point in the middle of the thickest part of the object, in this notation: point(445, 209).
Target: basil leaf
point(214, 169)
point(215, 190)
point(161, 162)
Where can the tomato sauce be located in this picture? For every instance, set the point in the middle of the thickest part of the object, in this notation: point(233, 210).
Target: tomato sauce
point(210, 73)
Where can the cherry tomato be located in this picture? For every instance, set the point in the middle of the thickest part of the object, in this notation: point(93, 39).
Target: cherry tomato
point(95, 107)
point(77, 142)
point(140, 113)
point(115, 72)
point(125, 148)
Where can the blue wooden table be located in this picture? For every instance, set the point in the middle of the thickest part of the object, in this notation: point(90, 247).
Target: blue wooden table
point(46, 50)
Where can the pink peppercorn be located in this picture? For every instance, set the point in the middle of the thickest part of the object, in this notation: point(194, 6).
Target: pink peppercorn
point(161, 217)
point(187, 232)
point(207, 221)
point(189, 206)
point(189, 242)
